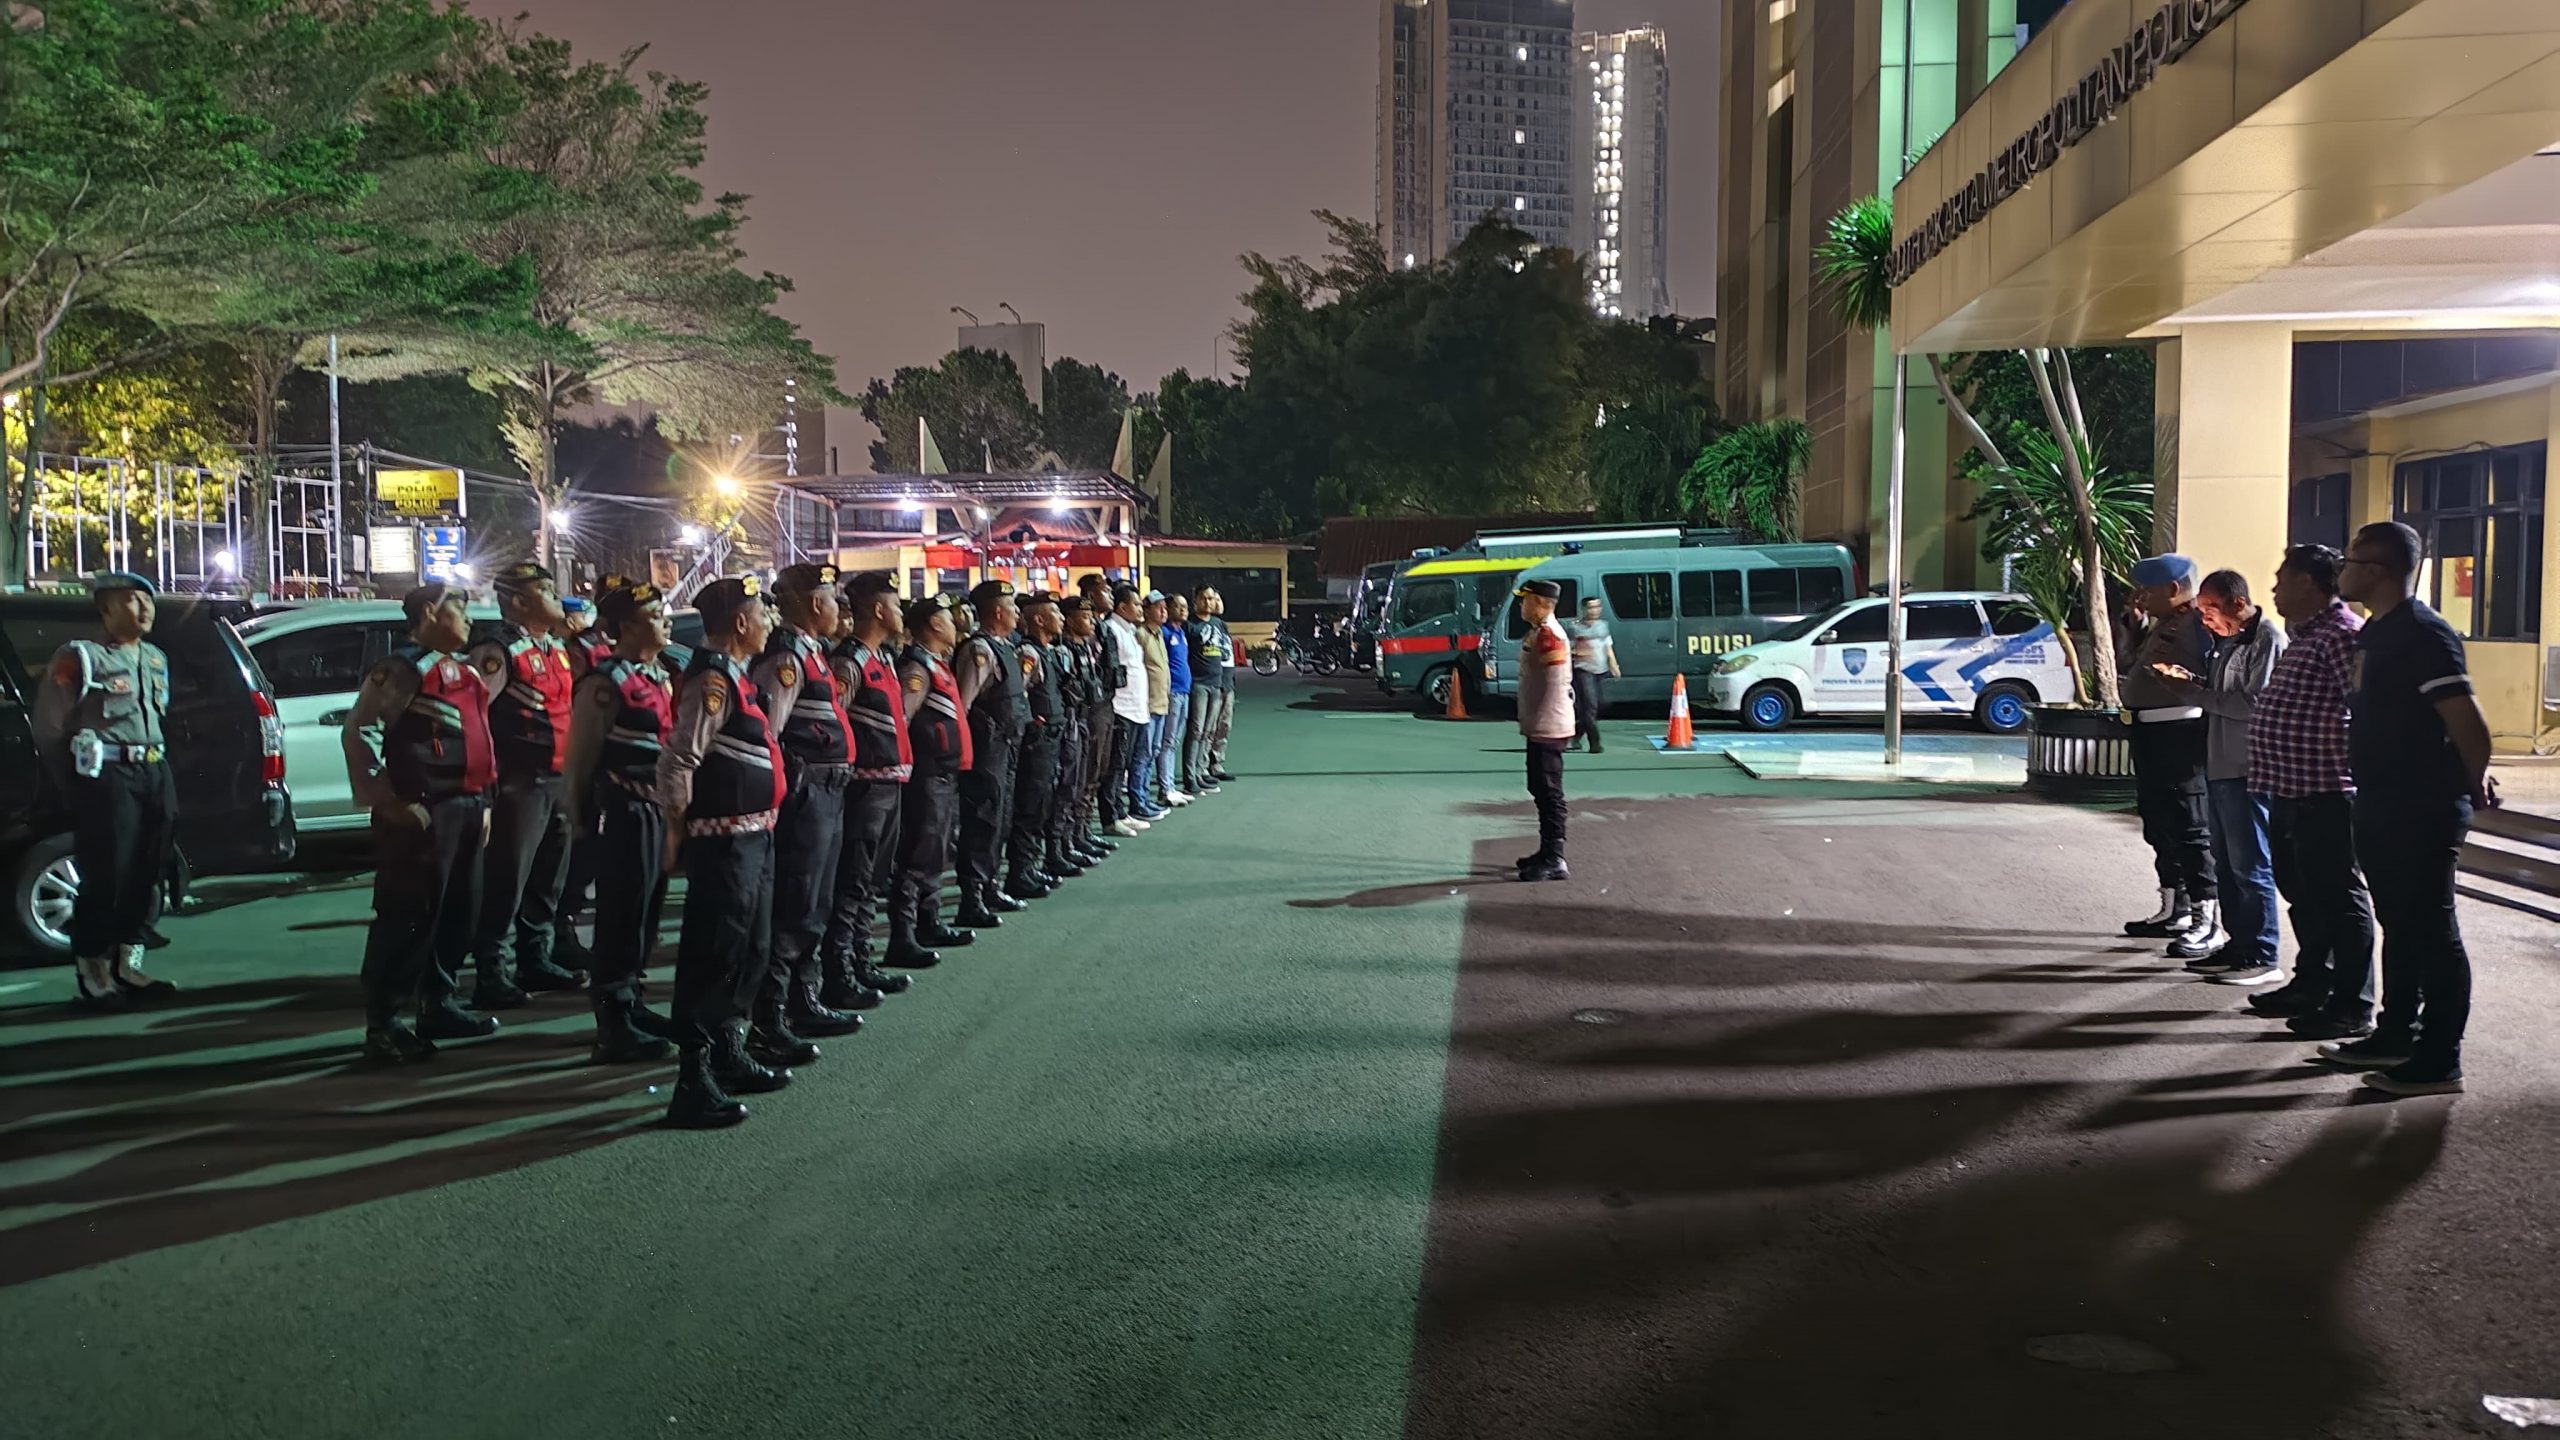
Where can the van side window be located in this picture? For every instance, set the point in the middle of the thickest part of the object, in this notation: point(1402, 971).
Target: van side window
point(329, 660)
point(1567, 607)
point(1420, 600)
point(1773, 592)
point(1705, 593)
point(1942, 620)
point(1818, 588)
point(1644, 596)
point(1862, 626)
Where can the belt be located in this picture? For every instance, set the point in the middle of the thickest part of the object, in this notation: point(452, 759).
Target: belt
point(133, 754)
point(648, 791)
point(2177, 712)
point(732, 824)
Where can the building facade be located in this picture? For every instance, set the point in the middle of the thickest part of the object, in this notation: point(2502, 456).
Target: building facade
point(1823, 101)
point(1476, 105)
point(1622, 170)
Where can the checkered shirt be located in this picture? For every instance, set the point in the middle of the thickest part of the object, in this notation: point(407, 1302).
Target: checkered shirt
point(2298, 728)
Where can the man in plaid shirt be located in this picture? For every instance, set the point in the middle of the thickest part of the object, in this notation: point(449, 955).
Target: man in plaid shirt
point(2298, 760)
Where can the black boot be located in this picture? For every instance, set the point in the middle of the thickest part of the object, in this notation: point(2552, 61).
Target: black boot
point(1001, 902)
point(976, 913)
point(772, 1040)
point(493, 990)
point(931, 933)
point(1543, 867)
point(1027, 885)
point(881, 981)
point(843, 988)
point(649, 1022)
point(396, 1044)
point(737, 1071)
point(449, 1021)
point(536, 976)
point(1060, 864)
point(618, 1041)
point(809, 1015)
point(699, 1103)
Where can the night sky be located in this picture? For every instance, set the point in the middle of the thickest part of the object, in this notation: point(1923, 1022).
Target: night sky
point(1098, 163)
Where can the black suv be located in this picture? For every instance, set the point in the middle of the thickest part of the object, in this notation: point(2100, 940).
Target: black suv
point(225, 747)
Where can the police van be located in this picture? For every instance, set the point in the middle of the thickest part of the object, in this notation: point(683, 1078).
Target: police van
point(1674, 610)
point(1964, 652)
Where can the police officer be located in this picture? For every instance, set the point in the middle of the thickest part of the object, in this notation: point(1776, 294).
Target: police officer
point(720, 781)
point(1103, 666)
point(991, 691)
point(797, 670)
point(619, 718)
point(1065, 656)
point(529, 836)
point(98, 726)
point(1035, 782)
point(929, 811)
point(591, 643)
point(865, 665)
point(421, 759)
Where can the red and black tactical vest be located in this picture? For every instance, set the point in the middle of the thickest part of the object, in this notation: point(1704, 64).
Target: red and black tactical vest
point(939, 736)
point(741, 771)
point(644, 710)
point(881, 749)
point(439, 747)
point(530, 718)
point(816, 732)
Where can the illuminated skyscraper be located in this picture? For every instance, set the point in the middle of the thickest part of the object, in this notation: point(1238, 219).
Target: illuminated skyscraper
point(1622, 172)
point(1475, 116)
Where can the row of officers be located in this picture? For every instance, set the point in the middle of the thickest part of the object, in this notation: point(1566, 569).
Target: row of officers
point(823, 758)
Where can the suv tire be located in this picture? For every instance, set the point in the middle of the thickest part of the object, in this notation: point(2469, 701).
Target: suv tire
point(2004, 708)
point(42, 887)
point(1768, 707)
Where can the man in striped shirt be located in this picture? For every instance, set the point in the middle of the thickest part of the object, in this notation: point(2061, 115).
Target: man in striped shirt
point(2298, 761)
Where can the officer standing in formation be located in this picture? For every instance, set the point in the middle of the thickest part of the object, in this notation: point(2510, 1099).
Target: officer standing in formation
point(720, 779)
point(420, 759)
point(990, 678)
point(620, 717)
point(1035, 772)
point(798, 670)
point(1068, 654)
point(866, 670)
point(939, 735)
point(98, 729)
point(529, 833)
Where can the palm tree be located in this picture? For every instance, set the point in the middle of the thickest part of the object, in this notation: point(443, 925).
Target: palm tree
point(1853, 257)
point(1746, 478)
point(1638, 454)
point(2027, 508)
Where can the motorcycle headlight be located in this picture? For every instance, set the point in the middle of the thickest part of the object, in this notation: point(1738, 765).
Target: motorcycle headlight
point(1735, 664)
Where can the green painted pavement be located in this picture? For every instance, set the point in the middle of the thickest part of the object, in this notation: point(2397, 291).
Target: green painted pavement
point(1154, 1160)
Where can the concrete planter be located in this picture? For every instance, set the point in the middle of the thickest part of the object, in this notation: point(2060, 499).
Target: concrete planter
point(2080, 754)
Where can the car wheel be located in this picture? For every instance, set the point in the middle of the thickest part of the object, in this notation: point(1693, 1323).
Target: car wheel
point(42, 892)
point(1768, 707)
point(1435, 690)
point(2003, 709)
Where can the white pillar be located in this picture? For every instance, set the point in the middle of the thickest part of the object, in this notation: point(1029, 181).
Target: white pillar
point(2226, 501)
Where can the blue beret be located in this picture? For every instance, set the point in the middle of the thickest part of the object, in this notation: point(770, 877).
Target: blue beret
point(106, 580)
point(2165, 570)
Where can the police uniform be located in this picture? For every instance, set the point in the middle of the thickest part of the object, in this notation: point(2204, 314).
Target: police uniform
point(1062, 840)
point(797, 676)
point(620, 717)
point(418, 739)
point(1213, 700)
point(1035, 776)
point(989, 672)
point(529, 838)
point(720, 779)
point(1104, 745)
point(588, 649)
point(929, 811)
point(99, 724)
point(883, 761)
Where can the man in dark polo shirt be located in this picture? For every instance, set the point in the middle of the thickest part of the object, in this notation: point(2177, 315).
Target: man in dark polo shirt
point(2419, 745)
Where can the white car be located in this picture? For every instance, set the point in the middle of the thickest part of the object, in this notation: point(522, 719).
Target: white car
point(1964, 652)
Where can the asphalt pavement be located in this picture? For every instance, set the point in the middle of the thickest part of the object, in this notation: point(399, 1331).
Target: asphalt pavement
point(1802, 1109)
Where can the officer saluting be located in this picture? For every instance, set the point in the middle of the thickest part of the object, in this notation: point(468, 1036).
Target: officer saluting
point(420, 758)
point(865, 663)
point(529, 836)
point(940, 743)
point(991, 691)
point(797, 676)
point(618, 727)
point(98, 727)
point(720, 781)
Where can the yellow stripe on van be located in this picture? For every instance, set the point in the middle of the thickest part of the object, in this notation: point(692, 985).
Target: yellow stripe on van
point(1474, 567)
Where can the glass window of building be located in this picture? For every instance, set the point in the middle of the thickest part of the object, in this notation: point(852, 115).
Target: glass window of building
point(2480, 516)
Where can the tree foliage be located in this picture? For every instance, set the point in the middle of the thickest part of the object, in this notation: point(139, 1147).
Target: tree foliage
point(975, 403)
point(1081, 406)
point(1640, 452)
point(1748, 478)
point(2027, 513)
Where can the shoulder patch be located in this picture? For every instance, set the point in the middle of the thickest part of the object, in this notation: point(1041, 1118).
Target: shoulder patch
point(715, 692)
point(491, 664)
point(67, 668)
point(384, 673)
point(603, 696)
point(787, 676)
point(915, 683)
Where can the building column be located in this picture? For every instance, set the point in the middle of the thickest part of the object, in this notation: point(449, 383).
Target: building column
point(2224, 410)
point(2546, 717)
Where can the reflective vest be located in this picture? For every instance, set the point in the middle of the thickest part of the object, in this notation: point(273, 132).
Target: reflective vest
point(644, 710)
point(741, 771)
point(1046, 693)
point(940, 738)
point(881, 749)
point(816, 731)
point(530, 718)
point(439, 747)
point(1002, 710)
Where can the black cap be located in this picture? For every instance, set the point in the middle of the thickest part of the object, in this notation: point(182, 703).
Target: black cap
point(1029, 598)
point(522, 575)
point(871, 583)
point(620, 598)
point(987, 593)
point(1069, 604)
point(721, 600)
point(921, 611)
point(1547, 588)
point(801, 579)
point(418, 602)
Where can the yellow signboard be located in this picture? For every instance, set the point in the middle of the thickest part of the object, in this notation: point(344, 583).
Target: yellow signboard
point(419, 492)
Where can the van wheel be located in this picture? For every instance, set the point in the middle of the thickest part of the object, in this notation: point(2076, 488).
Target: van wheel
point(1768, 707)
point(1435, 690)
point(42, 890)
point(2003, 709)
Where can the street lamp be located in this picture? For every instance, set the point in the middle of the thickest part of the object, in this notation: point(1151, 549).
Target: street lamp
point(727, 485)
point(559, 517)
point(689, 535)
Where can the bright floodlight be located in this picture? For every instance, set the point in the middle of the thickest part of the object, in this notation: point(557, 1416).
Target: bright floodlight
point(224, 561)
point(559, 517)
point(689, 535)
point(465, 573)
point(910, 505)
point(726, 484)
point(1057, 502)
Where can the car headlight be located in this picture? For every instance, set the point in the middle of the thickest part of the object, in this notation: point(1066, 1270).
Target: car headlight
point(1735, 664)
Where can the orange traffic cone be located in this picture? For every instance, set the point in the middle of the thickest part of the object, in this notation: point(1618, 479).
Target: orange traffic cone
point(1682, 737)
point(1457, 698)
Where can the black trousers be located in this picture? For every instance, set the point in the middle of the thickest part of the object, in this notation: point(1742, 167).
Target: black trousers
point(866, 865)
point(2312, 841)
point(584, 857)
point(728, 932)
point(1128, 739)
point(630, 846)
point(1072, 804)
point(1587, 700)
point(1101, 727)
point(123, 823)
point(1035, 795)
point(929, 815)
point(986, 809)
point(2169, 791)
point(526, 867)
point(808, 841)
point(2409, 853)
point(1546, 788)
point(426, 897)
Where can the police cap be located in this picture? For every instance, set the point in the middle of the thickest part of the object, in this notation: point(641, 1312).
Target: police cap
point(1029, 598)
point(1547, 588)
point(871, 584)
point(106, 581)
point(921, 612)
point(520, 577)
point(988, 594)
point(801, 579)
point(621, 598)
point(721, 601)
point(2175, 570)
point(418, 602)
point(1069, 605)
